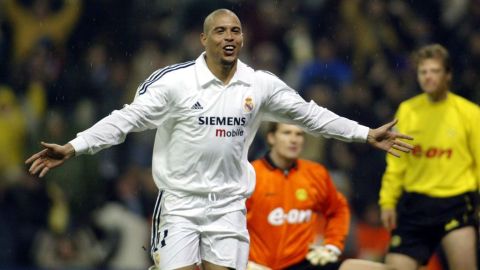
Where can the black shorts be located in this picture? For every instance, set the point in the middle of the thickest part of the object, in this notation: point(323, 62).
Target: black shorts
point(423, 221)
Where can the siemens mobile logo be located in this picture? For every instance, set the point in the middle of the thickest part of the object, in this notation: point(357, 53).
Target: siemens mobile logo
point(222, 121)
point(220, 132)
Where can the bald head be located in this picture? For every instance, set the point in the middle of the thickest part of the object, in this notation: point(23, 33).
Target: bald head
point(222, 39)
point(207, 24)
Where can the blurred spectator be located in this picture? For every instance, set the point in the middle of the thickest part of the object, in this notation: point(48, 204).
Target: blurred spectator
point(4, 48)
point(37, 79)
point(300, 45)
point(92, 77)
point(132, 234)
point(24, 207)
point(452, 12)
point(327, 68)
point(123, 220)
point(323, 95)
point(58, 246)
point(470, 79)
point(39, 22)
point(371, 26)
point(355, 160)
point(78, 249)
point(79, 181)
point(12, 136)
point(266, 56)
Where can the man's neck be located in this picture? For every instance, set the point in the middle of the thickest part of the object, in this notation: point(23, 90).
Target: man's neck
point(281, 162)
point(223, 72)
point(438, 97)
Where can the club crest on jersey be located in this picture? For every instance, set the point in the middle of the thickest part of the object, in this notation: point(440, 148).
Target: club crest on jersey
point(301, 194)
point(248, 104)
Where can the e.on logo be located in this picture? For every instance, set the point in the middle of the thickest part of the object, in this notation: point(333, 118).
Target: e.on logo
point(278, 216)
point(431, 152)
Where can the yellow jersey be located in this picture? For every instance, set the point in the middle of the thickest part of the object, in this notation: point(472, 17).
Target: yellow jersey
point(446, 159)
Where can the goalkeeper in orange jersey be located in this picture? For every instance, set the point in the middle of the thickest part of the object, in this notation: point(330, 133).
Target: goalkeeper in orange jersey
point(429, 198)
point(290, 195)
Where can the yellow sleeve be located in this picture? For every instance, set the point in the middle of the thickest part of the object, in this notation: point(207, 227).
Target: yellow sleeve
point(392, 179)
point(475, 142)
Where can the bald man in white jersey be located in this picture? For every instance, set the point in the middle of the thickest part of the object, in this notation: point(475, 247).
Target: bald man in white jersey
point(206, 113)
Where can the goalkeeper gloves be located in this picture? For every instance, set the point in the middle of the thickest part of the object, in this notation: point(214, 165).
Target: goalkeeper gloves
point(255, 266)
point(321, 255)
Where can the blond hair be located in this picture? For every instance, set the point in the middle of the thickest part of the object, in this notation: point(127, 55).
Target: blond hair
point(433, 51)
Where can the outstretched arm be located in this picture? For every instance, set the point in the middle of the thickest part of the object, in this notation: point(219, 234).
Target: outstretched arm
point(283, 104)
point(52, 156)
point(386, 139)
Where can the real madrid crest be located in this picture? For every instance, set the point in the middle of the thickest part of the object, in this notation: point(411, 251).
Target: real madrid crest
point(248, 104)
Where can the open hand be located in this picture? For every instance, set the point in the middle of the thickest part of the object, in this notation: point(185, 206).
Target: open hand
point(386, 139)
point(52, 156)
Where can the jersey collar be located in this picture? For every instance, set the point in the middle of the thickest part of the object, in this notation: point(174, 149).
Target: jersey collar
point(271, 166)
point(243, 74)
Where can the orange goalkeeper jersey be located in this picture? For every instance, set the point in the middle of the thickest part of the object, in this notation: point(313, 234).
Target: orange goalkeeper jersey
point(283, 210)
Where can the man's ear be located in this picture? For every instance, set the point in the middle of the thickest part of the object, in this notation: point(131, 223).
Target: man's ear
point(203, 39)
point(270, 139)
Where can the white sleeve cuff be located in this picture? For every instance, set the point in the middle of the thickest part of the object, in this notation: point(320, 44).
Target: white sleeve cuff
point(80, 146)
point(361, 134)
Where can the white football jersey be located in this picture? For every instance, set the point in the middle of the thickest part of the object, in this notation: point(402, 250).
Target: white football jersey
point(204, 128)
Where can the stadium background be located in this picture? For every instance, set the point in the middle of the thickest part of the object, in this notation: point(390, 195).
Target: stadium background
point(65, 64)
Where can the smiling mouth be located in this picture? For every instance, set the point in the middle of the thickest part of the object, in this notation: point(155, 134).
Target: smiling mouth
point(229, 49)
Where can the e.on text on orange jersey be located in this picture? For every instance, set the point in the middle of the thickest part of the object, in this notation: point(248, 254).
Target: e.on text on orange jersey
point(283, 210)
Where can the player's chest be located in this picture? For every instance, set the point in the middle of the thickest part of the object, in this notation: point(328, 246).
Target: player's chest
point(289, 192)
point(446, 127)
point(233, 106)
point(287, 203)
point(237, 100)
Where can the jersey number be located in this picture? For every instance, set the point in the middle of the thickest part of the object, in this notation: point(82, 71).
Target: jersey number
point(163, 243)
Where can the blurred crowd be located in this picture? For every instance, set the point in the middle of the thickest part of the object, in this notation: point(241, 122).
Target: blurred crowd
point(64, 64)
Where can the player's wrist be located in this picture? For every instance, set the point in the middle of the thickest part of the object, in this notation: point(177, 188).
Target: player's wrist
point(371, 136)
point(79, 145)
point(69, 150)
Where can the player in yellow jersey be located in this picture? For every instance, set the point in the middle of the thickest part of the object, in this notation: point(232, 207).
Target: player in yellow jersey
point(429, 198)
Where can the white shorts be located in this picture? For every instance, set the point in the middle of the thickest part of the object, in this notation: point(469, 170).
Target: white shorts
point(188, 230)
